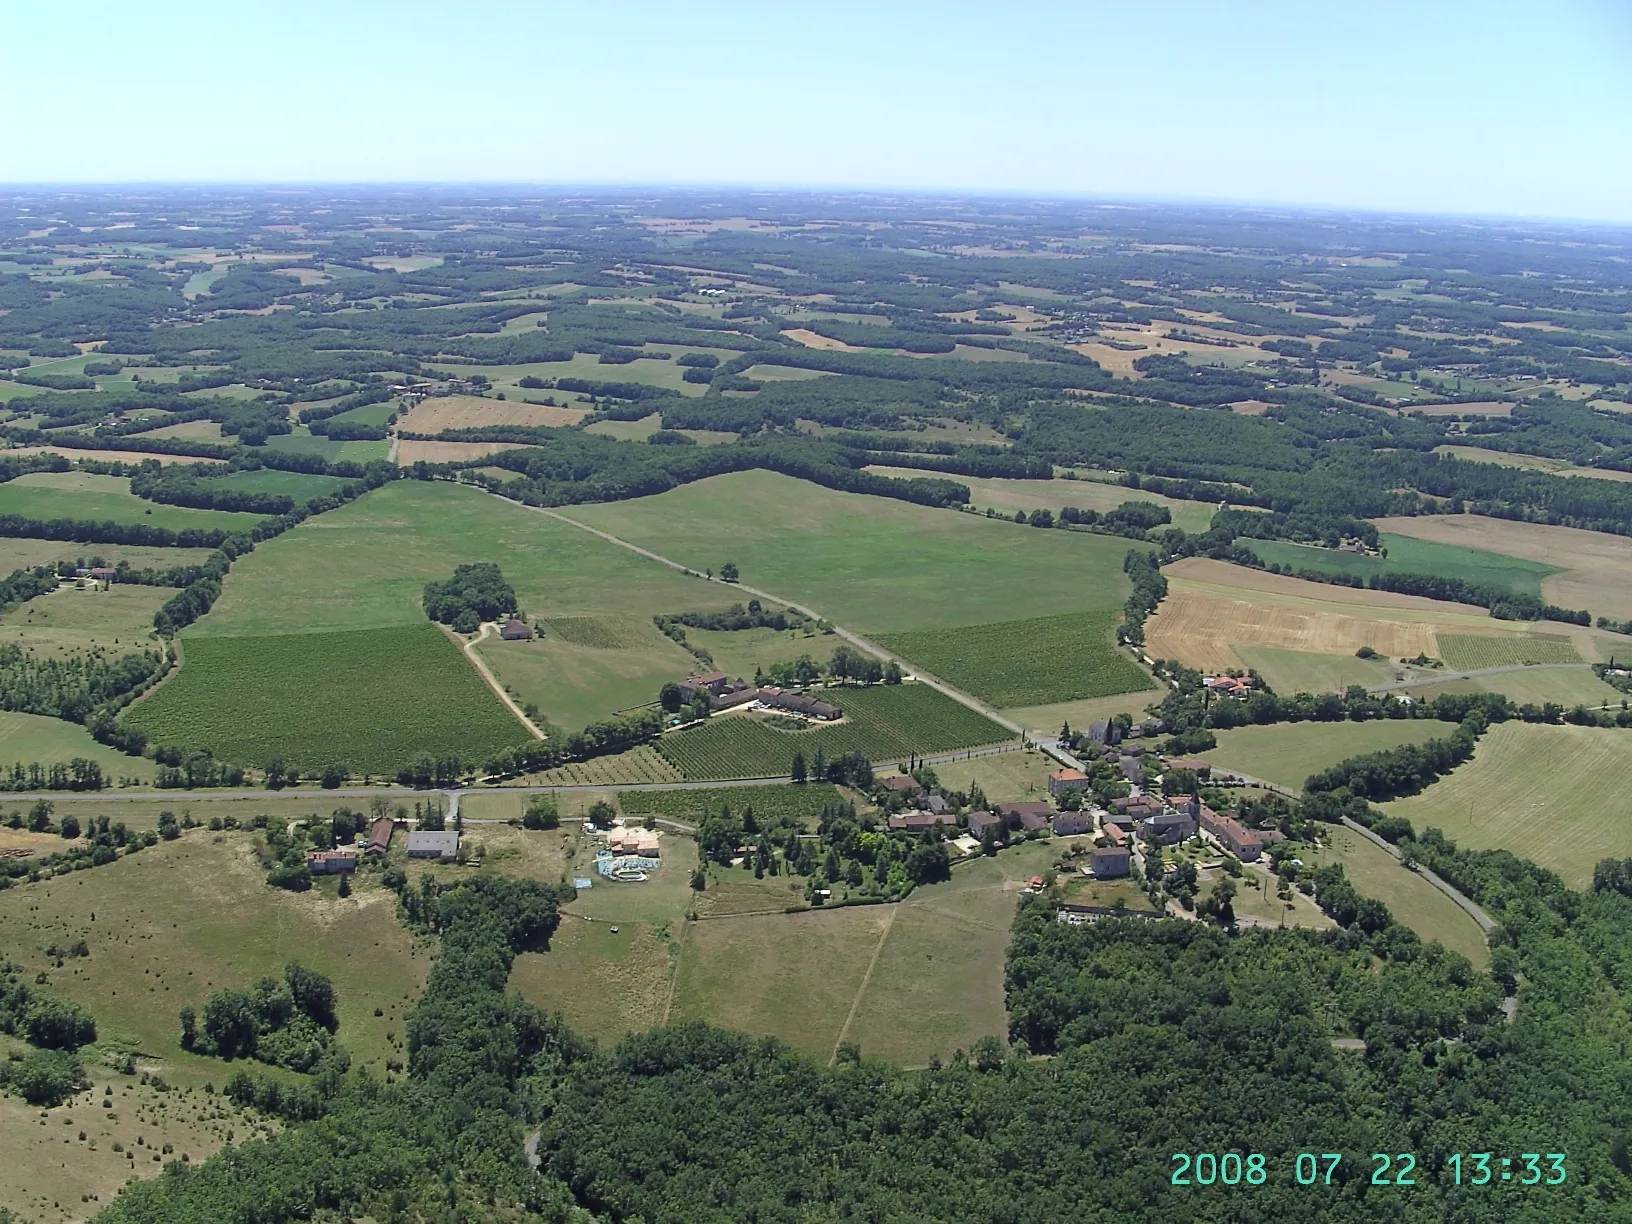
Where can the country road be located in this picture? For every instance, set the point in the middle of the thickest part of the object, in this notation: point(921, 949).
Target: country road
point(493, 681)
point(1442, 677)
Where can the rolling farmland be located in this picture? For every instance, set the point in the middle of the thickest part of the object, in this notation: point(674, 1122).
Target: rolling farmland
point(883, 723)
point(81, 495)
point(1407, 555)
point(803, 803)
point(370, 700)
point(1287, 754)
point(1027, 662)
point(1471, 651)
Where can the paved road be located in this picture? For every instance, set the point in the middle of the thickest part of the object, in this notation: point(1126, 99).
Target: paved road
point(1485, 921)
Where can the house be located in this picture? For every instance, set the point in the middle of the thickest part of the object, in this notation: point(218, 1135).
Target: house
point(918, 822)
point(104, 573)
point(979, 822)
point(379, 836)
point(1108, 862)
point(713, 683)
point(515, 630)
point(1171, 827)
point(425, 844)
point(1062, 780)
point(736, 693)
point(1137, 807)
point(331, 862)
point(1030, 817)
point(1117, 834)
point(1104, 732)
point(1195, 765)
point(933, 803)
point(1067, 824)
point(1228, 686)
point(901, 784)
point(1232, 835)
point(798, 703)
point(1130, 766)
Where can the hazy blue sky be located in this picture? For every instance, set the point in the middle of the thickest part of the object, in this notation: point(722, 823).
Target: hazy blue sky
point(1485, 107)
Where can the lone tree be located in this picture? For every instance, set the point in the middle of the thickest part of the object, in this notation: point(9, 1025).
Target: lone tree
point(798, 770)
point(728, 572)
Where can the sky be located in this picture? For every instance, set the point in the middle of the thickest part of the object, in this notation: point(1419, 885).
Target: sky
point(1439, 106)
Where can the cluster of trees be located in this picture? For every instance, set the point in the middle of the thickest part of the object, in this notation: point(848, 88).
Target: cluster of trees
point(78, 774)
point(1144, 570)
point(104, 843)
point(1405, 770)
point(850, 769)
point(71, 686)
point(734, 618)
point(184, 485)
point(51, 1072)
point(600, 738)
point(474, 594)
point(289, 1023)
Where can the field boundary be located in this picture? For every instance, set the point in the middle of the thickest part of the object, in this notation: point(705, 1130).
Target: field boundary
point(861, 991)
point(1487, 924)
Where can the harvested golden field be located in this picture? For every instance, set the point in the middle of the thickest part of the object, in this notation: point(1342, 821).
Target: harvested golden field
point(1597, 567)
point(1213, 607)
point(810, 339)
point(473, 411)
point(410, 452)
point(105, 456)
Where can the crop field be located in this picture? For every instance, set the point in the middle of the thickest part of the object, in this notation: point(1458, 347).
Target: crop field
point(187, 917)
point(884, 724)
point(1596, 568)
point(1296, 671)
point(873, 564)
point(31, 737)
point(1027, 662)
point(1213, 607)
point(472, 411)
point(1408, 555)
point(801, 803)
point(299, 485)
point(82, 495)
point(1556, 795)
point(1411, 899)
point(643, 764)
point(410, 452)
point(371, 700)
point(368, 414)
point(1286, 755)
point(1471, 651)
point(598, 632)
point(1011, 495)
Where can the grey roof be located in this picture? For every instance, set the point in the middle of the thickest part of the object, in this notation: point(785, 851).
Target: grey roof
point(428, 844)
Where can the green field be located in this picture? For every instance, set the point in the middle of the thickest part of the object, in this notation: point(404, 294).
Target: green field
point(802, 803)
point(1287, 754)
point(1472, 651)
point(1565, 686)
point(1407, 555)
point(81, 495)
point(1298, 671)
point(118, 620)
point(873, 564)
point(368, 414)
point(1410, 898)
point(301, 486)
point(18, 553)
point(1556, 795)
point(1007, 496)
point(573, 684)
point(1027, 662)
point(885, 724)
point(25, 738)
point(370, 700)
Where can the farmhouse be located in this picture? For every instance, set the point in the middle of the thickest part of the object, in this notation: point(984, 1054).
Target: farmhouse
point(1062, 780)
point(1030, 817)
point(1228, 686)
point(713, 683)
point(641, 842)
point(1108, 862)
point(425, 844)
point(379, 836)
point(798, 703)
point(1105, 732)
point(901, 784)
point(979, 822)
point(104, 573)
point(1067, 824)
point(932, 803)
point(919, 822)
point(515, 630)
point(331, 862)
point(1233, 835)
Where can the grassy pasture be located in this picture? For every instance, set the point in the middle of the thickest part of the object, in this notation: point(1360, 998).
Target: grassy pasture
point(1287, 755)
point(16, 553)
point(1027, 662)
point(884, 724)
point(1597, 568)
point(82, 495)
point(372, 700)
point(870, 563)
point(628, 431)
point(1008, 496)
point(1410, 898)
point(29, 737)
point(299, 485)
point(573, 685)
point(1552, 794)
point(1408, 555)
point(187, 917)
point(1046, 719)
point(1297, 671)
point(1471, 651)
point(1566, 686)
point(738, 652)
point(118, 620)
